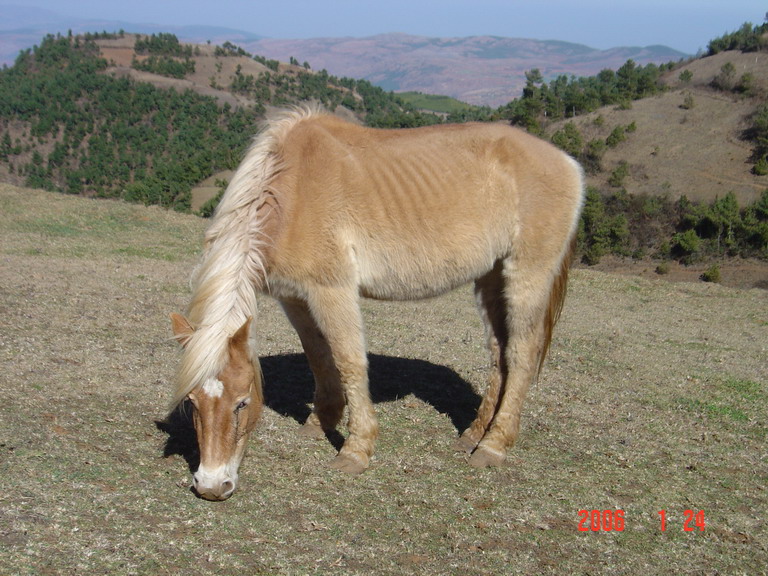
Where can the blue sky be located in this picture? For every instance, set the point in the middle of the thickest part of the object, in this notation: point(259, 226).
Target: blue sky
point(686, 25)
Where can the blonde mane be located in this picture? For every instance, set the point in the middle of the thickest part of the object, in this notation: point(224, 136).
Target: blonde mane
point(231, 269)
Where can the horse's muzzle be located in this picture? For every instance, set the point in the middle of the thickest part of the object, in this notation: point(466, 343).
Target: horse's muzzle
point(213, 486)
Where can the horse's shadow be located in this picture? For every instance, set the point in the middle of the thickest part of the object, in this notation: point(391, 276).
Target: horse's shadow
point(289, 389)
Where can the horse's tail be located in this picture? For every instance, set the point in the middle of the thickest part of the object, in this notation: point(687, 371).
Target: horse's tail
point(560, 282)
point(556, 300)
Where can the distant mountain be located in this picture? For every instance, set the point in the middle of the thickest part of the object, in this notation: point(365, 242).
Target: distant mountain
point(486, 70)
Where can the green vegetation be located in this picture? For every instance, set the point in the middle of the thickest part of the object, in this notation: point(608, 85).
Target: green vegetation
point(166, 56)
point(748, 38)
point(627, 225)
point(569, 139)
point(601, 231)
point(590, 155)
point(566, 97)
point(84, 132)
point(441, 104)
point(711, 274)
point(757, 133)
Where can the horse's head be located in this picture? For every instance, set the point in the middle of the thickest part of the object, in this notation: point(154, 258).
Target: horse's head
point(225, 410)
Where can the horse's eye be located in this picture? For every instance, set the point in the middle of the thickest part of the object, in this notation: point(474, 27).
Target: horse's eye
point(240, 405)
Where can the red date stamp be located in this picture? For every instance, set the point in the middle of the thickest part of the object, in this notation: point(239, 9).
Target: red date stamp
point(693, 520)
point(613, 520)
point(601, 520)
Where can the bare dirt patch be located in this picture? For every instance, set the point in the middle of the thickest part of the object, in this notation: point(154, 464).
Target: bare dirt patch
point(212, 76)
point(654, 398)
point(741, 273)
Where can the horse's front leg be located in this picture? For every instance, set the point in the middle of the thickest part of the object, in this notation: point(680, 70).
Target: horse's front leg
point(336, 312)
point(329, 399)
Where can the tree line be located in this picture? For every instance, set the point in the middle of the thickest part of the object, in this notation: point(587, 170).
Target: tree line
point(640, 226)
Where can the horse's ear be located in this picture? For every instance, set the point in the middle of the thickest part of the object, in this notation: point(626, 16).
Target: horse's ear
point(239, 340)
point(182, 329)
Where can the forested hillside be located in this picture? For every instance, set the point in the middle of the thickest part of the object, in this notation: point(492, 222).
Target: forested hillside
point(68, 123)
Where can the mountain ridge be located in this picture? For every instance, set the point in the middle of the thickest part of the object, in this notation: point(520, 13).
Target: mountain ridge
point(480, 70)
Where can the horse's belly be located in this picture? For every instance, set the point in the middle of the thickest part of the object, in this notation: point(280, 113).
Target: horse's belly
point(401, 274)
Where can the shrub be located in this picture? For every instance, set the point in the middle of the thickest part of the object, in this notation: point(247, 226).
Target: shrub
point(761, 167)
point(592, 157)
point(746, 84)
point(569, 140)
point(601, 233)
point(619, 175)
point(685, 245)
point(616, 137)
point(726, 78)
point(711, 274)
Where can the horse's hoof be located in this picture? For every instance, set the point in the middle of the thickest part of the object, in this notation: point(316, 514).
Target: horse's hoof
point(312, 430)
point(465, 443)
point(350, 463)
point(485, 457)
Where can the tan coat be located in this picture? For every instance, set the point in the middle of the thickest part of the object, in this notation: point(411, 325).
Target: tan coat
point(322, 212)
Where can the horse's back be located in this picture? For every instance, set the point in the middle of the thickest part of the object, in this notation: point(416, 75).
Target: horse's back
point(411, 213)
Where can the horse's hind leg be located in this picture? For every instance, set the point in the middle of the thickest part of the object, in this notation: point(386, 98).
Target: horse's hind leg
point(489, 293)
point(527, 294)
point(329, 397)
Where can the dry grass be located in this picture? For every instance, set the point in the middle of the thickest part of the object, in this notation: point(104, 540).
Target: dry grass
point(654, 398)
point(700, 152)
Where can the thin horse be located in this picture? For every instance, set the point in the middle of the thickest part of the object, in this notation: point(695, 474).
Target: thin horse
point(322, 212)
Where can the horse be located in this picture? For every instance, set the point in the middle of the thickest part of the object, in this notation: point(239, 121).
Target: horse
point(322, 212)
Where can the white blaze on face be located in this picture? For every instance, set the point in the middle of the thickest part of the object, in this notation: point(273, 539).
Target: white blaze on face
point(213, 388)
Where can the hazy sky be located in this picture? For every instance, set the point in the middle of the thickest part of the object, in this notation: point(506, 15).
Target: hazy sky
point(686, 25)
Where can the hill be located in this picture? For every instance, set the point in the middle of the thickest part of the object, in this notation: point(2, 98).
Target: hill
point(145, 119)
point(699, 149)
point(21, 27)
point(655, 397)
point(480, 70)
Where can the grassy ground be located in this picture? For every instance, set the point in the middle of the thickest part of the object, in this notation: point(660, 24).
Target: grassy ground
point(433, 103)
point(655, 398)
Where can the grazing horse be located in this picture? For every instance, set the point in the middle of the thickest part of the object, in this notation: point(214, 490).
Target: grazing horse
point(322, 212)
